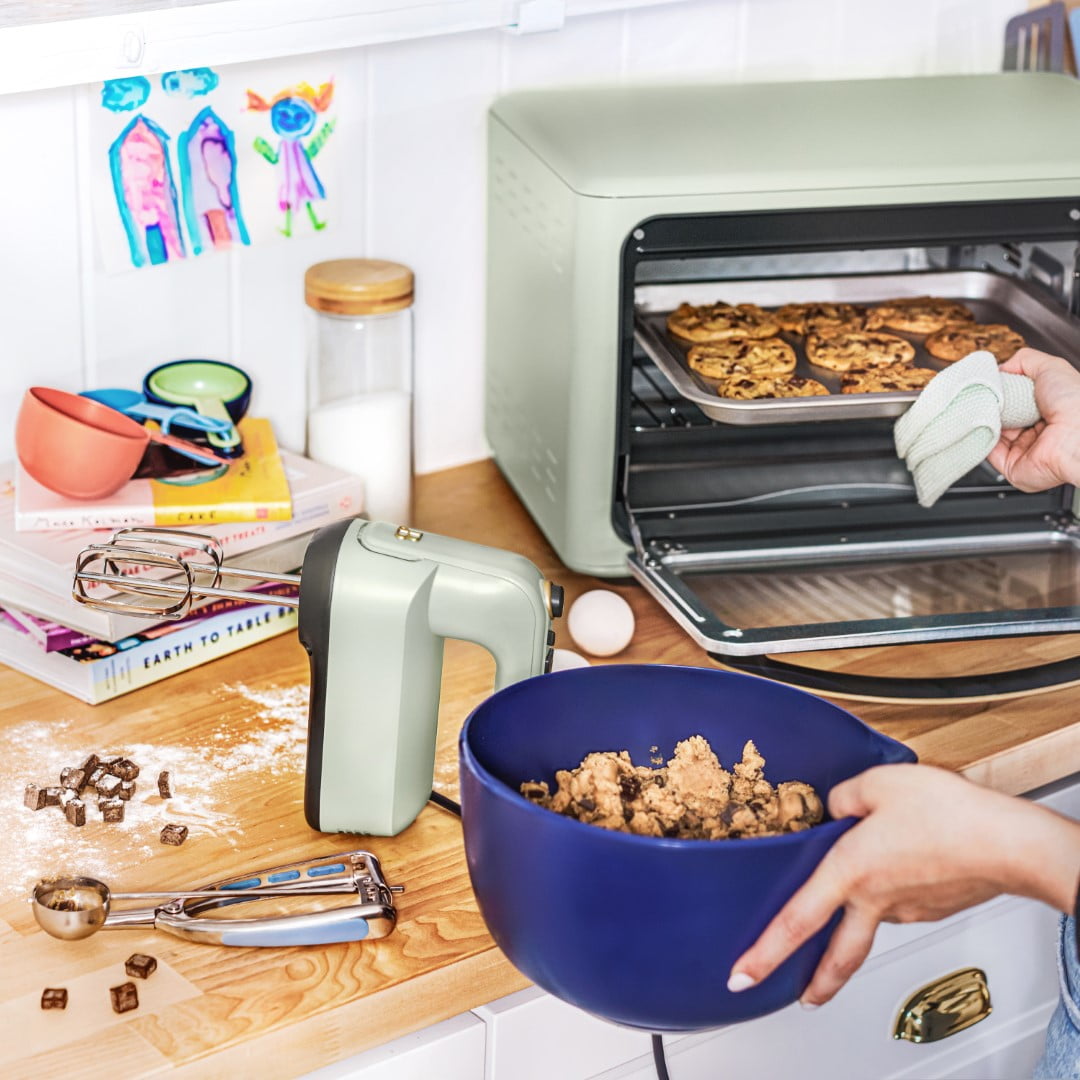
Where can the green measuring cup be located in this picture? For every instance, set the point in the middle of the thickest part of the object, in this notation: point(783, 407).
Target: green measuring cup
point(210, 387)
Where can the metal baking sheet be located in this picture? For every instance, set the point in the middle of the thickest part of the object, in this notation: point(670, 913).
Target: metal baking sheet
point(993, 298)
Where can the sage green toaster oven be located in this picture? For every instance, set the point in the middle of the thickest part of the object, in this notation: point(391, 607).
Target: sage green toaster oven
point(779, 525)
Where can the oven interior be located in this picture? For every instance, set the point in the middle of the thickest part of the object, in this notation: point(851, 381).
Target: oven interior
point(782, 532)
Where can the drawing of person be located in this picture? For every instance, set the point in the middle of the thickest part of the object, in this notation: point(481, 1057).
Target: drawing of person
point(293, 115)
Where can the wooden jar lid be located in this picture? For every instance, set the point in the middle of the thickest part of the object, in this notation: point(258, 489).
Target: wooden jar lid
point(358, 286)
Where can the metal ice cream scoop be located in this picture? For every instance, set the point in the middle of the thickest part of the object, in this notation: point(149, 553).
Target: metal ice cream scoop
point(72, 908)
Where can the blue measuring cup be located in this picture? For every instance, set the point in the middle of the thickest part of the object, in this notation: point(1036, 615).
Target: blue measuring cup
point(134, 404)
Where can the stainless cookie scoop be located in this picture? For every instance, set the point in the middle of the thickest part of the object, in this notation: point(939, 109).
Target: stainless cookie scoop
point(72, 908)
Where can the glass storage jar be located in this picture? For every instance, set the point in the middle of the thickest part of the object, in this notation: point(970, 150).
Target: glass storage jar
point(359, 407)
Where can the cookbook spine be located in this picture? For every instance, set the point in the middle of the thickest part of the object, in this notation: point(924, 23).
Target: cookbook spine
point(147, 662)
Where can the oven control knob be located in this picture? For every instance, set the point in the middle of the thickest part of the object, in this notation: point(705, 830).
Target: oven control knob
point(554, 599)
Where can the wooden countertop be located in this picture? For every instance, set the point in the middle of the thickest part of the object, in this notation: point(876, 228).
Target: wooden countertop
point(233, 729)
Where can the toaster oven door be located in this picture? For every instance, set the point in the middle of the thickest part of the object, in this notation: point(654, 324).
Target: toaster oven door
point(745, 607)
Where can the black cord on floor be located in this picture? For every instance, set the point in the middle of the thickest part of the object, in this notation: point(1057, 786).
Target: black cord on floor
point(445, 803)
point(659, 1059)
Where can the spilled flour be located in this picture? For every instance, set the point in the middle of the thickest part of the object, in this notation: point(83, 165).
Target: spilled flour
point(41, 843)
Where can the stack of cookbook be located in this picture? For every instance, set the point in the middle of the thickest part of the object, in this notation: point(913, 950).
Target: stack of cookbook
point(95, 654)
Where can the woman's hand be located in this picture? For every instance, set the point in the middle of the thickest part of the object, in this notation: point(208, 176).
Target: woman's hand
point(1048, 454)
point(930, 844)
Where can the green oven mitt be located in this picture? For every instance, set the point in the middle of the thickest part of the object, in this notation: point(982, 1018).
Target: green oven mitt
point(957, 420)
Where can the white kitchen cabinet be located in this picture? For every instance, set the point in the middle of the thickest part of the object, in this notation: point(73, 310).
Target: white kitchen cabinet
point(452, 1050)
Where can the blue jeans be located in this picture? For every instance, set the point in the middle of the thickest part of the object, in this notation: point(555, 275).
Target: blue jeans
point(1061, 1059)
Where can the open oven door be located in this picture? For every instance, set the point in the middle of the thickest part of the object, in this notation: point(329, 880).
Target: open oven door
point(750, 598)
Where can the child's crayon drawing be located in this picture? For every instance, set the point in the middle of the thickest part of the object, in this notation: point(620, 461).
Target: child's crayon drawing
point(187, 161)
point(208, 173)
point(145, 193)
point(293, 115)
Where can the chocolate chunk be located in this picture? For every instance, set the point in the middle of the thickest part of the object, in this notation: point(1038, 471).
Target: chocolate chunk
point(89, 765)
point(629, 788)
point(72, 778)
point(95, 775)
point(52, 796)
point(124, 997)
point(112, 810)
point(164, 784)
point(174, 835)
point(586, 804)
point(34, 797)
point(54, 998)
point(75, 812)
point(126, 770)
point(140, 965)
point(126, 790)
point(108, 785)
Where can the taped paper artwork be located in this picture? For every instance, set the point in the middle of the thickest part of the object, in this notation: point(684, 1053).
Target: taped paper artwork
point(198, 162)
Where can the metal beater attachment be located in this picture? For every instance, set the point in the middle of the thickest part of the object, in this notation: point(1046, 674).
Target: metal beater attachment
point(160, 572)
point(72, 908)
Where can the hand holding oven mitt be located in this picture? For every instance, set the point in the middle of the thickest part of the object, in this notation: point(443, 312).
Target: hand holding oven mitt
point(957, 420)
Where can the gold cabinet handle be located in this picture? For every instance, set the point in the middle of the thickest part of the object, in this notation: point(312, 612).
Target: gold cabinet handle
point(944, 1007)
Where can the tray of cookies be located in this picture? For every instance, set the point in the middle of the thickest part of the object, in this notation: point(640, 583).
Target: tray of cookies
point(787, 350)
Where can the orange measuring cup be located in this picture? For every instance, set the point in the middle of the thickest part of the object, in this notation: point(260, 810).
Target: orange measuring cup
point(80, 448)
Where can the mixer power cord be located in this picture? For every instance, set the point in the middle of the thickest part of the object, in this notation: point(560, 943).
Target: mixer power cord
point(445, 803)
point(659, 1058)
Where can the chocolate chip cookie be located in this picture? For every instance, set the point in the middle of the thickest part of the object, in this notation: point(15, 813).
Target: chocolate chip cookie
point(917, 314)
point(953, 343)
point(749, 388)
point(858, 349)
point(820, 318)
point(885, 380)
point(741, 356)
point(714, 322)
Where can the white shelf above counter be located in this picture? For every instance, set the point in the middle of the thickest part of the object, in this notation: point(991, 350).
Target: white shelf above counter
point(50, 43)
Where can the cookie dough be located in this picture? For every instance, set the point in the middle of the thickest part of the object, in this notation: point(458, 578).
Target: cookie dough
point(858, 349)
point(749, 387)
point(887, 380)
point(917, 314)
point(692, 797)
point(714, 322)
point(741, 356)
point(952, 343)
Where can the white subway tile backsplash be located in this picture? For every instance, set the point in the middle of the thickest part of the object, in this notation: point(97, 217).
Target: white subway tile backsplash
point(427, 115)
point(40, 296)
point(698, 40)
point(792, 39)
point(411, 151)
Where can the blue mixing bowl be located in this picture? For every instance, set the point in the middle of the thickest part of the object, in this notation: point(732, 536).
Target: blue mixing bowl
point(638, 930)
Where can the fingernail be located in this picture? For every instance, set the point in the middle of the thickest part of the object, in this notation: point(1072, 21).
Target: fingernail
point(740, 981)
point(809, 1006)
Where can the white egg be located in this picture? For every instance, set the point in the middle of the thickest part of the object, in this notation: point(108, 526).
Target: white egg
point(601, 622)
point(565, 659)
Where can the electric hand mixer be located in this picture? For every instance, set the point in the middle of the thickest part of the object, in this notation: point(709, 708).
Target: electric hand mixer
point(376, 602)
